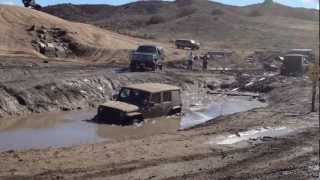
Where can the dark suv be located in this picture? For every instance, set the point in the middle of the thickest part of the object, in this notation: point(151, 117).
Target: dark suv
point(147, 56)
point(183, 43)
point(139, 101)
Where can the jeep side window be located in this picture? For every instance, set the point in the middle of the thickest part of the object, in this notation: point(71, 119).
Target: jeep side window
point(125, 93)
point(159, 52)
point(156, 98)
point(167, 97)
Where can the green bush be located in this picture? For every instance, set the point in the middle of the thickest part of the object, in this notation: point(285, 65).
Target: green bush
point(155, 20)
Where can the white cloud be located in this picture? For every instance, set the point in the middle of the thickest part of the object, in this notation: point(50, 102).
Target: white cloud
point(311, 1)
point(8, 2)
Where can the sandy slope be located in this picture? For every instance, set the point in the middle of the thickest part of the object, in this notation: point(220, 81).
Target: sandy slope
point(15, 39)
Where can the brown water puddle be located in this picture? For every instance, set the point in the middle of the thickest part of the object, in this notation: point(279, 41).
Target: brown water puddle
point(68, 129)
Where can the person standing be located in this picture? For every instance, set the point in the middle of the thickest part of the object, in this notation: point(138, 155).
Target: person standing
point(205, 59)
point(190, 60)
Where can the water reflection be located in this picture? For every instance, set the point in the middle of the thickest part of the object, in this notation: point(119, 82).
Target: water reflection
point(67, 129)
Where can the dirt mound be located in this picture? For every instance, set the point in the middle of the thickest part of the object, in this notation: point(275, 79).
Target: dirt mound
point(29, 32)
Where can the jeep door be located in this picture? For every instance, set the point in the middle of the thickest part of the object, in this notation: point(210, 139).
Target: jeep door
point(154, 108)
point(167, 102)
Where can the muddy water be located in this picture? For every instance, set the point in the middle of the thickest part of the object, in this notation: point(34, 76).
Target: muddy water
point(67, 129)
point(217, 106)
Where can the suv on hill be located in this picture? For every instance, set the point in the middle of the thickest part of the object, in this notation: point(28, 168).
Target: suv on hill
point(183, 43)
point(147, 56)
point(139, 101)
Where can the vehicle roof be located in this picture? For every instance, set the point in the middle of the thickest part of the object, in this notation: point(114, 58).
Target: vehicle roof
point(184, 40)
point(155, 46)
point(295, 55)
point(153, 87)
point(303, 50)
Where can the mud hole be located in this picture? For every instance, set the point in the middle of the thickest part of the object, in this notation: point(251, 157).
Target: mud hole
point(44, 108)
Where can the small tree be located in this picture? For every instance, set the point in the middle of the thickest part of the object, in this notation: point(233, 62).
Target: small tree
point(268, 2)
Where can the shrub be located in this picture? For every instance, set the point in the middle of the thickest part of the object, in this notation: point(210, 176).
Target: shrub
point(217, 12)
point(185, 12)
point(155, 20)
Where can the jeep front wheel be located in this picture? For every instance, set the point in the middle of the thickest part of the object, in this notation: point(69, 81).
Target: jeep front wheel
point(133, 68)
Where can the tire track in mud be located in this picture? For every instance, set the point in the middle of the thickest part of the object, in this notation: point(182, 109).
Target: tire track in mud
point(282, 147)
point(121, 168)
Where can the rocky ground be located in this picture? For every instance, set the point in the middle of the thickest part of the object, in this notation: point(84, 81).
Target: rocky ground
point(34, 87)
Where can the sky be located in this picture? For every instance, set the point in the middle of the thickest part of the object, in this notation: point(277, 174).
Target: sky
point(294, 3)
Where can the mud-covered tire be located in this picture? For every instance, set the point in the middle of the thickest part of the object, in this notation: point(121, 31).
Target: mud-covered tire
point(154, 67)
point(133, 68)
point(160, 67)
point(137, 119)
point(175, 111)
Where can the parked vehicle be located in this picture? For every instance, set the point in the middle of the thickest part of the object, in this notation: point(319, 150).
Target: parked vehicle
point(308, 53)
point(184, 43)
point(147, 57)
point(294, 65)
point(139, 101)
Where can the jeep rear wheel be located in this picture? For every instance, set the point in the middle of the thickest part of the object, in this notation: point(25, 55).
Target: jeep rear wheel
point(154, 67)
point(160, 67)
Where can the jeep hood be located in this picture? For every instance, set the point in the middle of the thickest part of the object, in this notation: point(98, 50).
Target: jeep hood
point(122, 106)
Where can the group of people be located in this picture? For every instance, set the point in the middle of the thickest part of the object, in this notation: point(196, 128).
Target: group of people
point(191, 58)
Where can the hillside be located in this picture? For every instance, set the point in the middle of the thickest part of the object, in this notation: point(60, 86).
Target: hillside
point(213, 24)
point(22, 29)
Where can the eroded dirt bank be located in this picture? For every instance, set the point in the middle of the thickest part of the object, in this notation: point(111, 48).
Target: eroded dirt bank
point(31, 88)
point(188, 154)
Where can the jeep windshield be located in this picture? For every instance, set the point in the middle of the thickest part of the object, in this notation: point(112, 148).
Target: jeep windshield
point(147, 49)
point(132, 96)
